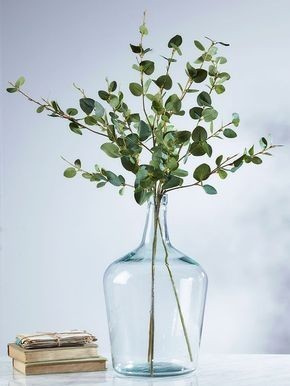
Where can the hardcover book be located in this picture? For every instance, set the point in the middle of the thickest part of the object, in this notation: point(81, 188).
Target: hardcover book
point(53, 367)
point(52, 354)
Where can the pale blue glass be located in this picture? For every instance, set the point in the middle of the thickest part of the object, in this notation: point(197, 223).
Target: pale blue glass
point(179, 299)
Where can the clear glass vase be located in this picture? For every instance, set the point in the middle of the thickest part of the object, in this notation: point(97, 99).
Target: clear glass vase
point(155, 298)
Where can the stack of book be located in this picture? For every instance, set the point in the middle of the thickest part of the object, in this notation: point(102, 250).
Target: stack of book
point(56, 359)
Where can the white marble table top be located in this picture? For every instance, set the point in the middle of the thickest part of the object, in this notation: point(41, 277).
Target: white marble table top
point(214, 370)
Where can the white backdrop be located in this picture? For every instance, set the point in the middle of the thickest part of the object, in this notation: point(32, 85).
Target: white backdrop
point(58, 235)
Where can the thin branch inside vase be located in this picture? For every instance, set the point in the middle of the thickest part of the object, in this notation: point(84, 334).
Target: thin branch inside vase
point(150, 356)
point(182, 321)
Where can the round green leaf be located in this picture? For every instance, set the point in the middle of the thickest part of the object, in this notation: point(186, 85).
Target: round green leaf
point(172, 182)
point(236, 119)
point(104, 95)
point(20, 82)
point(202, 172)
point(136, 89)
point(200, 76)
point(204, 99)
point(143, 29)
point(147, 66)
point(91, 120)
point(199, 45)
point(11, 89)
point(144, 131)
point(113, 101)
point(69, 172)
point(136, 49)
point(71, 111)
point(219, 88)
point(219, 159)
point(221, 60)
point(112, 86)
point(209, 189)
point(99, 110)
point(209, 114)
point(182, 136)
point(40, 109)
point(229, 133)
point(87, 176)
point(75, 128)
point(199, 134)
point(197, 149)
point(78, 163)
point(222, 174)
point(129, 163)
point(223, 76)
point(190, 71)
point(141, 195)
point(175, 41)
point(101, 184)
point(164, 81)
point(87, 105)
point(180, 173)
point(207, 148)
point(173, 104)
point(263, 143)
point(114, 179)
point(111, 149)
point(196, 112)
point(257, 160)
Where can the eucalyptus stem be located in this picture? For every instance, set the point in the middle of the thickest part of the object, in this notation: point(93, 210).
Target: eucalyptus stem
point(176, 294)
point(59, 114)
point(150, 356)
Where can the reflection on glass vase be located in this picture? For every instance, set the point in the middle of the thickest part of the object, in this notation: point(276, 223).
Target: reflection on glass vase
point(155, 298)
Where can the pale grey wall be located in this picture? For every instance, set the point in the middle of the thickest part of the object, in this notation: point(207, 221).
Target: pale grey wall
point(59, 235)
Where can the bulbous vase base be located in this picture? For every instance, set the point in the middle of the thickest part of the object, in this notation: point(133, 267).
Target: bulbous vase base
point(160, 369)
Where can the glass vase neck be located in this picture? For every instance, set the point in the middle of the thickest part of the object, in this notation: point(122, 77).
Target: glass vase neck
point(156, 222)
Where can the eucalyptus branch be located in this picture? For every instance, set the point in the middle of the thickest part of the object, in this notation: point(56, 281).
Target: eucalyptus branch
point(221, 129)
point(150, 355)
point(156, 116)
point(199, 120)
point(199, 183)
point(181, 317)
point(141, 55)
point(60, 114)
point(191, 80)
point(224, 164)
point(76, 168)
point(140, 142)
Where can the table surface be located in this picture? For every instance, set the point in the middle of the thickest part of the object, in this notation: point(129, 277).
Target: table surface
point(214, 370)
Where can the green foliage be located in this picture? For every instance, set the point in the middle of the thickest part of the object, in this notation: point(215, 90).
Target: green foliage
point(144, 131)
point(70, 111)
point(69, 172)
point(75, 128)
point(147, 66)
point(229, 133)
point(204, 99)
point(236, 119)
point(136, 89)
point(164, 81)
point(202, 172)
point(151, 144)
point(87, 105)
point(209, 189)
point(174, 42)
point(111, 150)
point(199, 45)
